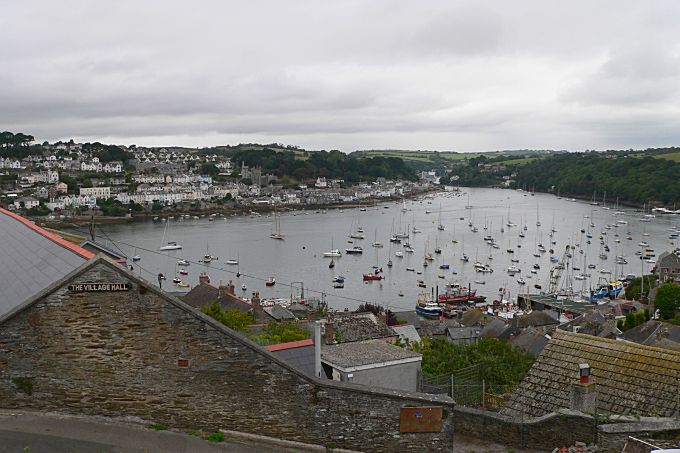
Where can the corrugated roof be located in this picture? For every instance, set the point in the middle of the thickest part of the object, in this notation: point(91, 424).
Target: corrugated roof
point(630, 379)
point(360, 353)
point(32, 259)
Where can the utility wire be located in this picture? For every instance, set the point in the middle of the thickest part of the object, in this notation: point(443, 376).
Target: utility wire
point(231, 271)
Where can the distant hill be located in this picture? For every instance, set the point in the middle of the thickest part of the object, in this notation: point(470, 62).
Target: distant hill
point(635, 178)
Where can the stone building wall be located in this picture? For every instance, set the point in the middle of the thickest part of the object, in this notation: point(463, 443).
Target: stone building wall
point(118, 354)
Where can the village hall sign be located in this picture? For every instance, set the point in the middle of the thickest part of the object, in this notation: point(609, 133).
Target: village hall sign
point(97, 287)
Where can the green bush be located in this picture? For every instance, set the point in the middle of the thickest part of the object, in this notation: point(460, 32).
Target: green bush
point(232, 318)
point(280, 332)
point(667, 301)
point(501, 363)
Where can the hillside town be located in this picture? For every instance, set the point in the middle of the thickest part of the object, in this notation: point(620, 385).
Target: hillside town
point(70, 178)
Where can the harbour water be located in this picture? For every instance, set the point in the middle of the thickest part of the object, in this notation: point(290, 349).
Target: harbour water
point(299, 257)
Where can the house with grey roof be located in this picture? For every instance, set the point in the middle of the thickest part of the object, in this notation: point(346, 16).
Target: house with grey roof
point(668, 267)
point(463, 335)
point(654, 333)
point(595, 323)
point(33, 259)
point(407, 333)
point(624, 379)
point(374, 363)
point(532, 341)
point(280, 313)
point(298, 354)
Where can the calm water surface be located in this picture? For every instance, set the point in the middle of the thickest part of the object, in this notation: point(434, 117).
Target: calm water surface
point(299, 258)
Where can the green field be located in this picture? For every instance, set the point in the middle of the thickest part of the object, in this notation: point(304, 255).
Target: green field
point(670, 156)
point(522, 161)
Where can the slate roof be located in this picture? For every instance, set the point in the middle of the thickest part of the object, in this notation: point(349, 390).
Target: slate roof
point(630, 379)
point(494, 329)
point(407, 332)
point(361, 353)
point(457, 334)
point(32, 259)
point(530, 341)
point(534, 319)
point(200, 295)
point(668, 260)
point(436, 327)
point(205, 294)
point(476, 317)
point(593, 323)
point(652, 333)
point(359, 326)
point(279, 313)
point(299, 354)
point(96, 248)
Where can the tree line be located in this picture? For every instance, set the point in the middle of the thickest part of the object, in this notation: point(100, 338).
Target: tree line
point(329, 164)
point(631, 179)
point(15, 145)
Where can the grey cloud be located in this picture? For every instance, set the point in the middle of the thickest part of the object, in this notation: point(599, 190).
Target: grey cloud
point(457, 74)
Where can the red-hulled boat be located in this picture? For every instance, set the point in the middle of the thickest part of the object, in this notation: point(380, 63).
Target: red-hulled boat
point(372, 277)
point(456, 293)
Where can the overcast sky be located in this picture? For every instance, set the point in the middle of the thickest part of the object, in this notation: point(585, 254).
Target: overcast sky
point(447, 75)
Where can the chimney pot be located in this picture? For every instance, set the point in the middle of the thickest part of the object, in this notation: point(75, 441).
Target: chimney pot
point(329, 332)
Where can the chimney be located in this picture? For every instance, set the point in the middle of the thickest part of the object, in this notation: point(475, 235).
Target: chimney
point(204, 278)
point(317, 349)
point(329, 332)
point(255, 301)
point(231, 288)
point(584, 392)
point(224, 290)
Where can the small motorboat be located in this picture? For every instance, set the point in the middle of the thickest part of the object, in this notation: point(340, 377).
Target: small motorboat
point(136, 258)
point(232, 262)
point(183, 272)
point(183, 262)
point(410, 269)
point(244, 287)
point(270, 282)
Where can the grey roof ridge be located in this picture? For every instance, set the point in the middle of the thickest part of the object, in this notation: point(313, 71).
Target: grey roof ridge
point(100, 258)
point(612, 342)
point(50, 236)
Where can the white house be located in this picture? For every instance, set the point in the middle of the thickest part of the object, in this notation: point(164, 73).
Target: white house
point(97, 192)
point(25, 202)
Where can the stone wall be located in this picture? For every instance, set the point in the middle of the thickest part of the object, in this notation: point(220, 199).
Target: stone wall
point(115, 354)
point(547, 432)
point(119, 354)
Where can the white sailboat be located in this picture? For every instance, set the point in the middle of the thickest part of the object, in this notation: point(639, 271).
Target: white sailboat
point(277, 233)
point(376, 243)
point(170, 245)
point(440, 226)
